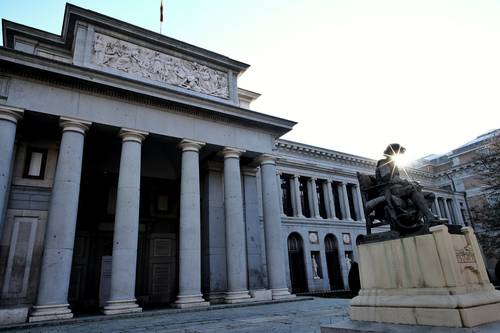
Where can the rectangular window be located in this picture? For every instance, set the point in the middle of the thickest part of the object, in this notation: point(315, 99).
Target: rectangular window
point(34, 166)
point(162, 203)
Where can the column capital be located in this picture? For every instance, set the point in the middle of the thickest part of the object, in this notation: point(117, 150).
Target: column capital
point(10, 113)
point(313, 179)
point(295, 176)
point(229, 152)
point(190, 145)
point(267, 159)
point(74, 125)
point(328, 180)
point(132, 135)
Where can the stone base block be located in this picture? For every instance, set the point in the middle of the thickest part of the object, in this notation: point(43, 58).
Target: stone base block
point(233, 297)
point(190, 301)
point(411, 316)
point(352, 326)
point(13, 315)
point(50, 312)
point(479, 315)
point(215, 297)
point(261, 294)
point(282, 293)
point(122, 306)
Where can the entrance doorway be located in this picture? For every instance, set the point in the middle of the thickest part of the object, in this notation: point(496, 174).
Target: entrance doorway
point(296, 262)
point(157, 248)
point(333, 263)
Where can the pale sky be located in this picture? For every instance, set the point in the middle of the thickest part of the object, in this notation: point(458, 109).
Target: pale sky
point(355, 74)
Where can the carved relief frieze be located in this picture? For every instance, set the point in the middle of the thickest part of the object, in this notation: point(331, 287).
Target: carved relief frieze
point(149, 64)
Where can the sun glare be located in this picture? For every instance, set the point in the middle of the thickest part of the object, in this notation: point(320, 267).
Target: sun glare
point(401, 160)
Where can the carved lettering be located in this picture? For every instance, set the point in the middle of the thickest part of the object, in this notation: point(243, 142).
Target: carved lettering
point(150, 64)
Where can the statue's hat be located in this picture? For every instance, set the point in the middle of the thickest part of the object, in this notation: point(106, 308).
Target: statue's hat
point(393, 149)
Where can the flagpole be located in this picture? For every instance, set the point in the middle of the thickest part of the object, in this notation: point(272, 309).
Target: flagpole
point(161, 15)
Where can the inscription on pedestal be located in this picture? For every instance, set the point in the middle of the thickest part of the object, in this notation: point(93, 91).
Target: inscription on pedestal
point(153, 65)
point(465, 255)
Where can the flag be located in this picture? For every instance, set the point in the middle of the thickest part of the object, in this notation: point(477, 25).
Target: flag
point(161, 11)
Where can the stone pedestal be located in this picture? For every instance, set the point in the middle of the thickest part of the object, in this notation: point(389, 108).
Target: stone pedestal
point(437, 279)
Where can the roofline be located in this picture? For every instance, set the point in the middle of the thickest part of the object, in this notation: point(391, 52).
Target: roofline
point(361, 159)
point(72, 13)
point(331, 151)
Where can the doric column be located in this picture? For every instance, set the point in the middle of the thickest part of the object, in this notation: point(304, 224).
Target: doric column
point(280, 193)
point(324, 188)
point(314, 197)
point(331, 200)
point(361, 208)
point(438, 209)
point(126, 228)
point(458, 213)
point(344, 202)
point(447, 210)
point(52, 300)
point(8, 125)
point(237, 284)
point(190, 228)
point(296, 196)
point(272, 230)
point(291, 183)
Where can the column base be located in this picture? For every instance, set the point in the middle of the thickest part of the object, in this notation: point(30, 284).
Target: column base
point(215, 297)
point(261, 294)
point(282, 293)
point(190, 301)
point(241, 296)
point(122, 306)
point(50, 312)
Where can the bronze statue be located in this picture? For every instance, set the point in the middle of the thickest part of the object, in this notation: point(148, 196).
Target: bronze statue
point(393, 200)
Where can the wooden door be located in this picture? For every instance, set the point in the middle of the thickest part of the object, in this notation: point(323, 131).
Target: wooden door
point(162, 267)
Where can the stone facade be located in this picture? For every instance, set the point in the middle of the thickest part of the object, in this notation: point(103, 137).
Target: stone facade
point(132, 173)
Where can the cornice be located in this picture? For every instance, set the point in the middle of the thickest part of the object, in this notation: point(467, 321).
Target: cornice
point(300, 149)
point(22, 64)
point(325, 154)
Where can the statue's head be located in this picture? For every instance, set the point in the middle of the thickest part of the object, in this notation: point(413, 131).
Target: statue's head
point(394, 149)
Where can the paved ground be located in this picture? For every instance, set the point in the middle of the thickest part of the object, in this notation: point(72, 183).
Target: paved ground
point(301, 316)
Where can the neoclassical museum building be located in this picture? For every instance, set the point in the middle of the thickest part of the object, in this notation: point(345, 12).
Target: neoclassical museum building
point(133, 174)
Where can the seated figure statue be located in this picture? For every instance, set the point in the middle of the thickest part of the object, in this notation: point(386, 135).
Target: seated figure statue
point(397, 201)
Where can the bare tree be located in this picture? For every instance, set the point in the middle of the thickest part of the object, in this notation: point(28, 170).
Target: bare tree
point(486, 211)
